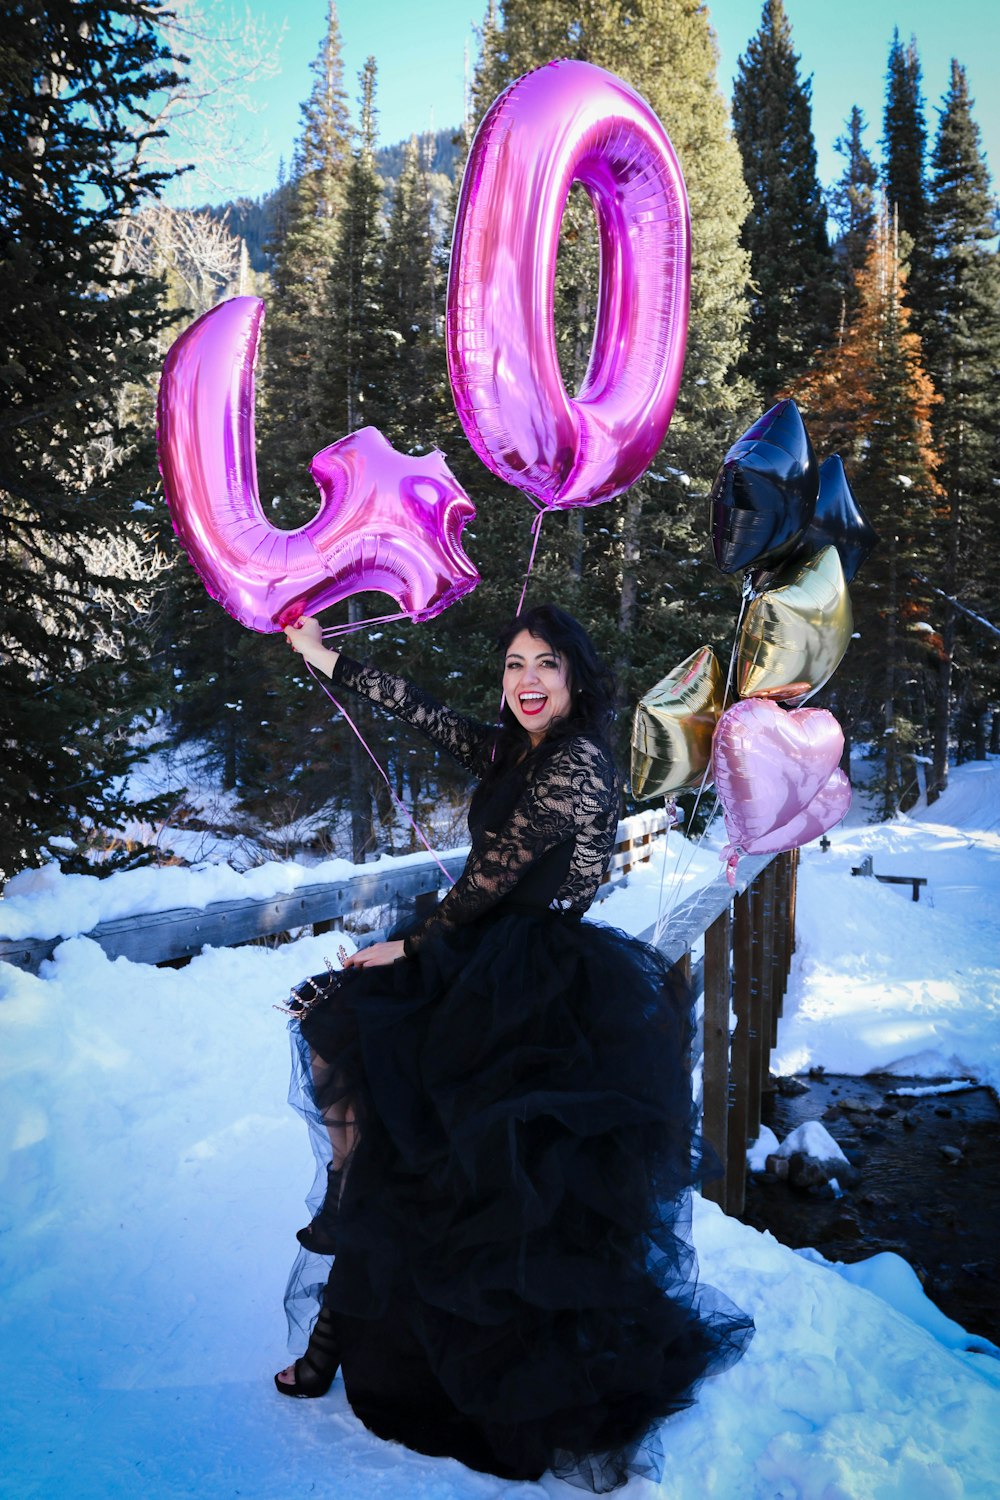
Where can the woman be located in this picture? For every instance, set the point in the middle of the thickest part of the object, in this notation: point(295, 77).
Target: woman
point(504, 1092)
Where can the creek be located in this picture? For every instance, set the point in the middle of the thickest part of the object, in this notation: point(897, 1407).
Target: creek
point(929, 1185)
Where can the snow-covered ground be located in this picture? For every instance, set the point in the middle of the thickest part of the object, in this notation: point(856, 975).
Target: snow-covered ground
point(152, 1176)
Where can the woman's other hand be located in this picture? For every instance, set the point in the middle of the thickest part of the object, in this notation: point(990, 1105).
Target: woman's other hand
point(372, 957)
point(305, 636)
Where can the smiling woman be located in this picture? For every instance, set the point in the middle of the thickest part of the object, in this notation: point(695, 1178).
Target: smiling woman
point(503, 1113)
point(535, 684)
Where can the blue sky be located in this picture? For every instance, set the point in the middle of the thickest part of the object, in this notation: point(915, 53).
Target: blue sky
point(420, 51)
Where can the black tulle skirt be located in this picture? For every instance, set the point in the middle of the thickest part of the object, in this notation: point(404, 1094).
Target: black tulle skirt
point(514, 1283)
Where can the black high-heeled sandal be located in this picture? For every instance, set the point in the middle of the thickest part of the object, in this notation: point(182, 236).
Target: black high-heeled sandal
point(320, 1234)
point(316, 1369)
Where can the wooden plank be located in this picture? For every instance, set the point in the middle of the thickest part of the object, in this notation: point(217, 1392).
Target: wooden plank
point(793, 893)
point(782, 954)
point(774, 977)
point(715, 1049)
point(739, 1066)
point(759, 971)
point(160, 937)
point(168, 936)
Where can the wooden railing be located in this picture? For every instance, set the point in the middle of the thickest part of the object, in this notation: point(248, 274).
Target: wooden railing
point(749, 939)
point(748, 931)
point(171, 936)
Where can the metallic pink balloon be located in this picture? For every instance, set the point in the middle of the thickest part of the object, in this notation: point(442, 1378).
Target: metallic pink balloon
point(828, 807)
point(770, 766)
point(387, 521)
point(568, 122)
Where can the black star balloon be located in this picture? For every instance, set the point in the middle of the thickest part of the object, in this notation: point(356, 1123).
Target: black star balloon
point(765, 492)
point(838, 520)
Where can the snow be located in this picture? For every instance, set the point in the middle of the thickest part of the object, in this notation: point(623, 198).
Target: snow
point(46, 903)
point(890, 1277)
point(813, 1139)
point(881, 983)
point(921, 1091)
point(152, 1177)
point(764, 1146)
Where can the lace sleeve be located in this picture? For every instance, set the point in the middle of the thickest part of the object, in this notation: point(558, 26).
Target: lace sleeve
point(571, 797)
point(461, 737)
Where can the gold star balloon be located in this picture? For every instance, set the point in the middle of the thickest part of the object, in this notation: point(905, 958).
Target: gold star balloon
point(673, 727)
point(795, 634)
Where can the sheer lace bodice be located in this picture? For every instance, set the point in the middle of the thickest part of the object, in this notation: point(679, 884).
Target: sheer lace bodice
point(463, 738)
point(542, 833)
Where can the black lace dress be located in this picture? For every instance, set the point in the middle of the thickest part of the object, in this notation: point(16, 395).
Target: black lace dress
point(514, 1283)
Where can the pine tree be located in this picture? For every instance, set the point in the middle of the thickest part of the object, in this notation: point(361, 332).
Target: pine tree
point(629, 567)
point(77, 340)
point(853, 206)
point(904, 147)
point(412, 284)
point(356, 367)
point(962, 287)
point(793, 307)
point(355, 359)
point(243, 699)
point(870, 399)
point(294, 407)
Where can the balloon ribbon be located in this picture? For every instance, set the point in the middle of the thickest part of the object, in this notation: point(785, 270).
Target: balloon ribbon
point(377, 764)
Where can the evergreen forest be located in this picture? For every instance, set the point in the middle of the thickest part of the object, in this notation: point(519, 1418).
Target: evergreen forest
point(873, 301)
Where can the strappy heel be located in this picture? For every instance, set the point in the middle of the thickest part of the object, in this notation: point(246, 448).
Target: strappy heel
point(315, 1370)
point(320, 1234)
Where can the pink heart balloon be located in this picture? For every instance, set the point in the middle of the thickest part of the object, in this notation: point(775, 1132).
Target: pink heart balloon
point(826, 809)
point(387, 521)
point(769, 764)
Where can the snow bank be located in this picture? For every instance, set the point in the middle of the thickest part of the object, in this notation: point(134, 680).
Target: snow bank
point(881, 983)
point(151, 1179)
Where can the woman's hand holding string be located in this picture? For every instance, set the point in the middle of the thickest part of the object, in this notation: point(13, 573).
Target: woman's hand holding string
point(305, 636)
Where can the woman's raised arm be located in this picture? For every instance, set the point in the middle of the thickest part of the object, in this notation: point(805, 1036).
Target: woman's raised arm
point(457, 734)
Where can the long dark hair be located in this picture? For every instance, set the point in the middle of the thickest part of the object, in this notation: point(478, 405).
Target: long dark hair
point(591, 684)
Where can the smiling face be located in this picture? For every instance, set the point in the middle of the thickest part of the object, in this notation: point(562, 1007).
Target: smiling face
point(535, 684)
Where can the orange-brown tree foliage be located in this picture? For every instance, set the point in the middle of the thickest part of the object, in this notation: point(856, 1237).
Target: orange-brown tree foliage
point(870, 399)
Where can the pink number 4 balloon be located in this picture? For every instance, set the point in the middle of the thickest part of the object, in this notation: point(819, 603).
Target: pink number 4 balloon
point(568, 122)
point(386, 521)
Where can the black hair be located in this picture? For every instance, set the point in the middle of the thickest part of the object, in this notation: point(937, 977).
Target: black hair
point(591, 684)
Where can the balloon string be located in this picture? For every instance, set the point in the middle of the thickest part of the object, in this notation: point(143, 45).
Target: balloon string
point(747, 593)
point(536, 531)
point(376, 763)
point(332, 630)
point(663, 916)
point(670, 808)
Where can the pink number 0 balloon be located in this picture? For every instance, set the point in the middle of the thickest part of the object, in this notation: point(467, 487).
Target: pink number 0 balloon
point(568, 122)
point(386, 521)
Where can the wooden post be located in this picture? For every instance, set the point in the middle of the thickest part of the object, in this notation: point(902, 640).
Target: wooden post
point(774, 980)
point(424, 904)
point(794, 892)
point(626, 848)
point(770, 972)
point(784, 935)
point(736, 1138)
point(759, 973)
point(715, 1064)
